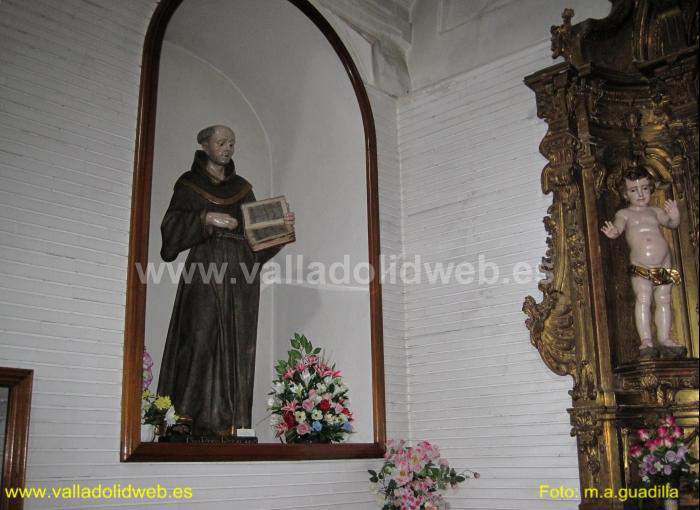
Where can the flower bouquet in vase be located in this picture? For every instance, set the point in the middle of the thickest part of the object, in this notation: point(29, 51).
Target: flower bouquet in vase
point(412, 477)
point(158, 411)
point(664, 459)
point(309, 400)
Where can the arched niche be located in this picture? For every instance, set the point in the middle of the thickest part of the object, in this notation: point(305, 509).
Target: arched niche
point(279, 75)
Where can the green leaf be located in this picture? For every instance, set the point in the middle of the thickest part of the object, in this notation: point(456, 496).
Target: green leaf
point(295, 343)
point(317, 350)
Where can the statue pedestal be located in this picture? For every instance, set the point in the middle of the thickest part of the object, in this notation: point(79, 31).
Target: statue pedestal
point(664, 384)
point(172, 438)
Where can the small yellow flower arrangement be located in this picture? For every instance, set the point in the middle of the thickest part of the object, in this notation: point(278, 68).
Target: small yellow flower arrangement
point(157, 410)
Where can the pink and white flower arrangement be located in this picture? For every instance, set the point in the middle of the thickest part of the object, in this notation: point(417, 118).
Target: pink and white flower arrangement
point(663, 456)
point(412, 477)
point(309, 400)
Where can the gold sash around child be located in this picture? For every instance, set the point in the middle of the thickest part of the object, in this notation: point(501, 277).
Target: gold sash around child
point(656, 275)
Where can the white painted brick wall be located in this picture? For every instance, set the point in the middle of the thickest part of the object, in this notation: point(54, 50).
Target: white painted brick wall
point(470, 172)
point(69, 75)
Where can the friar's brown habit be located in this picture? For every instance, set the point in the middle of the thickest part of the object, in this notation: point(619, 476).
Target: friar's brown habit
point(209, 358)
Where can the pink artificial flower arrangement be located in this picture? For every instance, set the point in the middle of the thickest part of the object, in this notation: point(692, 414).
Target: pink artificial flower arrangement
point(412, 477)
point(147, 369)
point(309, 400)
point(663, 456)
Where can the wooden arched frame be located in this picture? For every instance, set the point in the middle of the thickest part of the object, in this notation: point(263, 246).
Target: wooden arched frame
point(14, 464)
point(131, 448)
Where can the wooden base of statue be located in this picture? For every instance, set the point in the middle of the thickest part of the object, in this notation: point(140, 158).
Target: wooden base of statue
point(624, 97)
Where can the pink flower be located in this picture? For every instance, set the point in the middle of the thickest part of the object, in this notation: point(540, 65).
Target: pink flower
point(311, 360)
point(677, 432)
point(669, 420)
point(325, 371)
point(290, 406)
point(281, 428)
point(308, 405)
point(636, 451)
point(303, 429)
point(654, 444)
point(667, 442)
point(339, 408)
point(147, 370)
point(301, 366)
point(289, 374)
point(662, 431)
point(644, 434)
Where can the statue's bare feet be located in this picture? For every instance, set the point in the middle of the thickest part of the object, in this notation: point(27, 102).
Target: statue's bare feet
point(647, 349)
point(671, 350)
point(648, 352)
point(667, 342)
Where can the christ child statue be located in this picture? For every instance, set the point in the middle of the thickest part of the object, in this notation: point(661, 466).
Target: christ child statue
point(650, 258)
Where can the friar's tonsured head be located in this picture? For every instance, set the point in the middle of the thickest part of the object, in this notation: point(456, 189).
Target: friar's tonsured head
point(218, 143)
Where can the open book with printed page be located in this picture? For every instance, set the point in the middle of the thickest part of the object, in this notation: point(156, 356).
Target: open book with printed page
point(264, 225)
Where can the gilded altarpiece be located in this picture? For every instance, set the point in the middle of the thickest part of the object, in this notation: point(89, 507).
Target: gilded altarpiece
point(625, 95)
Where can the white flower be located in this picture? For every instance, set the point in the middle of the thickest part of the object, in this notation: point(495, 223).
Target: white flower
point(343, 418)
point(297, 389)
point(278, 387)
point(321, 388)
point(316, 415)
point(300, 416)
point(338, 390)
point(328, 380)
point(271, 402)
point(329, 419)
point(305, 377)
point(170, 417)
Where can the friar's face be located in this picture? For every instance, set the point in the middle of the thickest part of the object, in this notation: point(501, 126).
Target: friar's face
point(219, 146)
point(638, 191)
